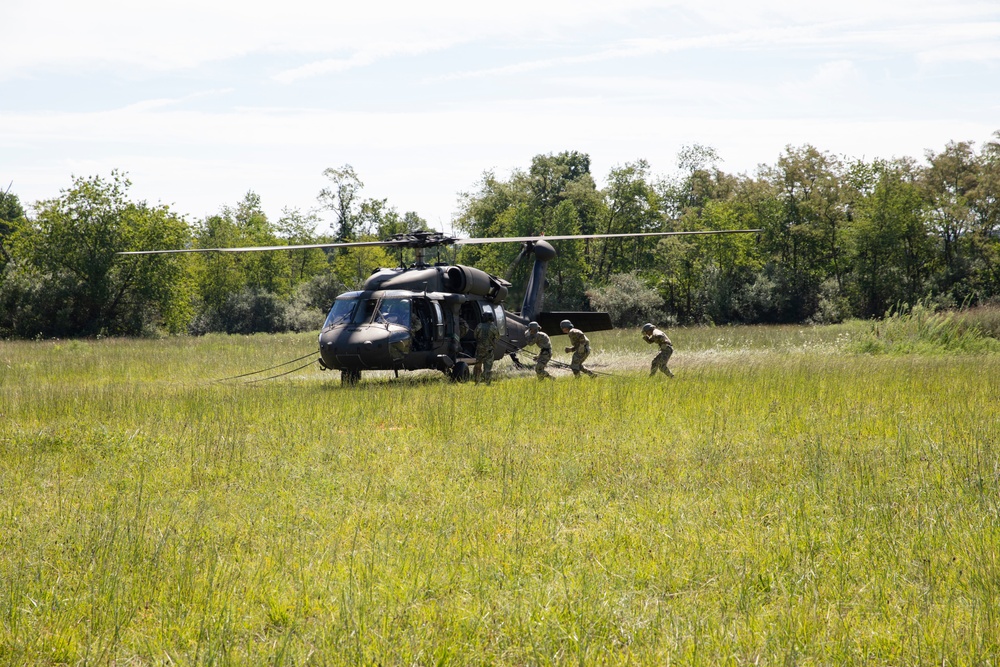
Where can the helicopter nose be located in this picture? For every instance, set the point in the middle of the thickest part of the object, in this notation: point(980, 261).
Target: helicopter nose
point(363, 347)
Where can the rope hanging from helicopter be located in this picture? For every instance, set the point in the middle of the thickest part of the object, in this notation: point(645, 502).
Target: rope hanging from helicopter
point(264, 370)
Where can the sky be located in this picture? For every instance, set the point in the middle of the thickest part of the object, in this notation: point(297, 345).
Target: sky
point(200, 101)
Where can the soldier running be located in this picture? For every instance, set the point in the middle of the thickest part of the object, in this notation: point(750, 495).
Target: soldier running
point(487, 335)
point(653, 335)
point(538, 337)
point(580, 348)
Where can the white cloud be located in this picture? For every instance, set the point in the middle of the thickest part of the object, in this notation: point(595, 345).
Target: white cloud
point(187, 33)
point(609, 79)
point(200, 161)
point(367, 56)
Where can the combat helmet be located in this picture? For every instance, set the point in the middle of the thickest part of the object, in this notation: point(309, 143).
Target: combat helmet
point(533, 325)
point(647, 327)
point(565, 324)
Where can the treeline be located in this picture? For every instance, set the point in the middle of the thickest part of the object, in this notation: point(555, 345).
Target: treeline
point(61, 275)
point(840, 238)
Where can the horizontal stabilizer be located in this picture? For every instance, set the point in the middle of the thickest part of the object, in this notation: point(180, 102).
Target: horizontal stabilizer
point(549, 322)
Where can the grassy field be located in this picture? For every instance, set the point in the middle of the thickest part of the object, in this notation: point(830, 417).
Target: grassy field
point(783, 500)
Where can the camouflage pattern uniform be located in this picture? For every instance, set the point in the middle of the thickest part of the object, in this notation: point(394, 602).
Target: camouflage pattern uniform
point(487, 335)
point(541, 339)
point(459, 332)
point(581, 350)
point(666, 349)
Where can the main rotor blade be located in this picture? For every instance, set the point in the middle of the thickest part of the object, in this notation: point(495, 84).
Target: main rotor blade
point(432, 240)
point(308, 246)
point(570, 237)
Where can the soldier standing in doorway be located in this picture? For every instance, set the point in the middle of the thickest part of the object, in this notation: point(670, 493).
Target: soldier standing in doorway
point(652, 335)
point(487, 335)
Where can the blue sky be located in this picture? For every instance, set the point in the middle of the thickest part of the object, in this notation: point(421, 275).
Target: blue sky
point(201, 101)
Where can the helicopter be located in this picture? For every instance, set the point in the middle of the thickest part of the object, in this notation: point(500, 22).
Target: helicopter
point(423, 316)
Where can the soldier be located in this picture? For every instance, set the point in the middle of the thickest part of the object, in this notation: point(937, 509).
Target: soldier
point(580, 348)
point(653, 335)
point(538, 337)
point(461, 328)
point(487, 336)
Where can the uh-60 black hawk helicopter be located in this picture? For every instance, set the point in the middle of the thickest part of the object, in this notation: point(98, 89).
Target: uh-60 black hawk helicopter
point(423, 316)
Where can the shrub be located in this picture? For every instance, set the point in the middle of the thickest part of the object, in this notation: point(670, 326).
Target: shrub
point(833, 306)
point(628, 300)
point(34, 305)
point(319, 292)
point(251, 310)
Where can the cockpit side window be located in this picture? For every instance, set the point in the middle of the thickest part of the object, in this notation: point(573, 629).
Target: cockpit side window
point(500, 318)
point(395, 311)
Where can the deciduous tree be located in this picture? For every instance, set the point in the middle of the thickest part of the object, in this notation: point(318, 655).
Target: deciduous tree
point(80, 286)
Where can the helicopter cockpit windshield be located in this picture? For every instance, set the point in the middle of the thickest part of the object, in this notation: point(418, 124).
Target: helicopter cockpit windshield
point(350, 311)
point(365, 311)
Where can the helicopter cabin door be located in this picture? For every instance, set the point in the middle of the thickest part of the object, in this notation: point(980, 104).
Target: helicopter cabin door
point(437, 315)
point(428, 323)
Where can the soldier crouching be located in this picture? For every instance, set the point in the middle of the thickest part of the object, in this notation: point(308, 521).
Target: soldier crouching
point(536, 336)
point(580, 348)
point(653, 335)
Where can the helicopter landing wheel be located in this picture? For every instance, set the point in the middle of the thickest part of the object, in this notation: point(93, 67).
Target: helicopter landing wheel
point(460, 372)
point(350, 377)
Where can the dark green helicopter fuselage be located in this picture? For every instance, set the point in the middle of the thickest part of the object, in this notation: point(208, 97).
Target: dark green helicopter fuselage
point(409, 319)
point(426, 317)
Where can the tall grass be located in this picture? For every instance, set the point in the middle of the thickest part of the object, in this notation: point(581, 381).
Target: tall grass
point(792, 504)
point(921, 330)
point(985, 319)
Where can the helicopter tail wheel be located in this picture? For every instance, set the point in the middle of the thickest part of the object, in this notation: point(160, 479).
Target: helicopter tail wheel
point(460, 372)
point(350, 377)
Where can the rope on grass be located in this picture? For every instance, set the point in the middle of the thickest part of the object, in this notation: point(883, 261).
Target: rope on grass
point(271, 377)
point(264, 370)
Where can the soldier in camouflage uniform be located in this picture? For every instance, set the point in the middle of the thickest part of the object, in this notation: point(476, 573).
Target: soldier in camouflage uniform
point(487, 335)
point(580, 348)
point(653, 335)
point(461, 328)
point(538, 337)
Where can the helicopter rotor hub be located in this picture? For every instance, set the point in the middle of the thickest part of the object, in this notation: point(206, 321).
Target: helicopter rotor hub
point(421, 239)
